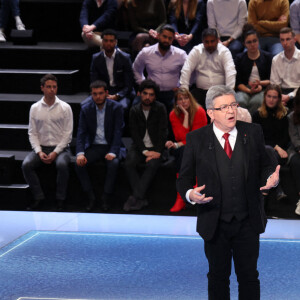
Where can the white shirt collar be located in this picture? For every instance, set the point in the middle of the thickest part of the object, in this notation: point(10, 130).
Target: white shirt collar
point(232, 136)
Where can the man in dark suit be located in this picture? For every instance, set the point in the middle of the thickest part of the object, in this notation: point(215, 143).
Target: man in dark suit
point(228, 197)
point(114, 67)
point(99, 138)
point(148, 124)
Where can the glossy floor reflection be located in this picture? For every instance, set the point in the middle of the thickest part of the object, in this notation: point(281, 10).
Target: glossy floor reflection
point(102, 256)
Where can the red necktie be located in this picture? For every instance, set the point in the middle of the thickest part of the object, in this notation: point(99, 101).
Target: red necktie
point(227, 146)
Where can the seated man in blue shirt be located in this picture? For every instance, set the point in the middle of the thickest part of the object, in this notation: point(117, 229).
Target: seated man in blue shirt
point(99, 138)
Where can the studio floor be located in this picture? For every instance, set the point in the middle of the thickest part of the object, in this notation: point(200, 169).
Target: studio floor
point(109, 256)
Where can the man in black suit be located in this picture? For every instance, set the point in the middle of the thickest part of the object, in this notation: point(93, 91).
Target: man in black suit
point(148, 124)
point(99, 138)
point(114, 67)
point(228, 197)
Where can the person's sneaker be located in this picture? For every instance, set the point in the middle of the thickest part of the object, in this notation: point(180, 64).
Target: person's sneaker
point(297, 211)
point(20, 26)
point(2, 37)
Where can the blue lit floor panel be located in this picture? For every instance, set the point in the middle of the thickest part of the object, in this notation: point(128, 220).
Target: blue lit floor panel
point(65, 265)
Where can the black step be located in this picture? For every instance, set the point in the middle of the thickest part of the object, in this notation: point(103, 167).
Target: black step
point(27, 80)
point(14, 137)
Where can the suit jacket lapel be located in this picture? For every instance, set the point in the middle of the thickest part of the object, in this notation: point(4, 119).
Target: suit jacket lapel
point(210, 150)
point(244, 137)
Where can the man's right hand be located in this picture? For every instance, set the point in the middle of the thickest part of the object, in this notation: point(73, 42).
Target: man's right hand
point(44, 157)
point(152, 155)
point(198, 197)
point(81, 160)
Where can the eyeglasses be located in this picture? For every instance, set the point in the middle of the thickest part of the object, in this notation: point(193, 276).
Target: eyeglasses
point(225, 107)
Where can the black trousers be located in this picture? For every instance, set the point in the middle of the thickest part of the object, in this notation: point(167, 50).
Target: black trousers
point(234, 240)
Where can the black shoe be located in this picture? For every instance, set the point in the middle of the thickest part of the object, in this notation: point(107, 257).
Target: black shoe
point(35, 204)
point(281, 196)
point(60, 205)
point(130, 201)
point(135, 203)
point(91, 199)
point(105, 202)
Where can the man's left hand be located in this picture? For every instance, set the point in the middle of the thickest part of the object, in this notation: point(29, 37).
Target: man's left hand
point(272, 181)
point(109, 156)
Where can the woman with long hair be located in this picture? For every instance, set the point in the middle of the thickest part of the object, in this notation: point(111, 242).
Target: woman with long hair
point(272, 116)
point(294, 150)
point(187, 18)
point(253, 71)
point(186, 116)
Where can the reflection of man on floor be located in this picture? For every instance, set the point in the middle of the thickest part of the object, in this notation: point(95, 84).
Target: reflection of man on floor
point(228, 159)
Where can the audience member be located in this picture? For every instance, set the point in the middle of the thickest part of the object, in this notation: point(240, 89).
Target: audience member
point(9, 7)
point(294, 150)
point(212, 63)
point(285, 69)
point(114, 67)
point(163, 63)
point(228, 17)
point(99, 138)
point(272, 116)
point(187, 18)
point(295, 20)
point(186, 116)
point(243, 115)
point(149, 129)
point(253, 69)
point(95, 16)
point(50, 132)
point(146, 17)
point(268, 17)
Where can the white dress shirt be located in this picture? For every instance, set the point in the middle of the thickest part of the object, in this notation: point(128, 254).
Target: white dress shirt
point(110, 67)
point(227, 16)
point(285, 72)
point(219, 135)
point(50, 125)
point(210, 69)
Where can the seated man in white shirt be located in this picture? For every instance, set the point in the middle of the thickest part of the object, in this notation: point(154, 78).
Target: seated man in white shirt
point(211, 63)
point(50, 132)
point(285, 70)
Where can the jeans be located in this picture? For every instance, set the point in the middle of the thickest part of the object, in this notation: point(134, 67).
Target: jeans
point(8, 7)
point(32, 161)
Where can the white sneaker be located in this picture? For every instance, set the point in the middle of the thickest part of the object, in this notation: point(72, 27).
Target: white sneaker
point(297, 211)
point(2, 37)
point(20, 26)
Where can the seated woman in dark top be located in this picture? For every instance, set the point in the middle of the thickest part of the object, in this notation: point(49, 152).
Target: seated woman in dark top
point(294, 150)
point(186, 116)
point(272, 116)
point(187, 18)
point(253, 69)
point(145, 17)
